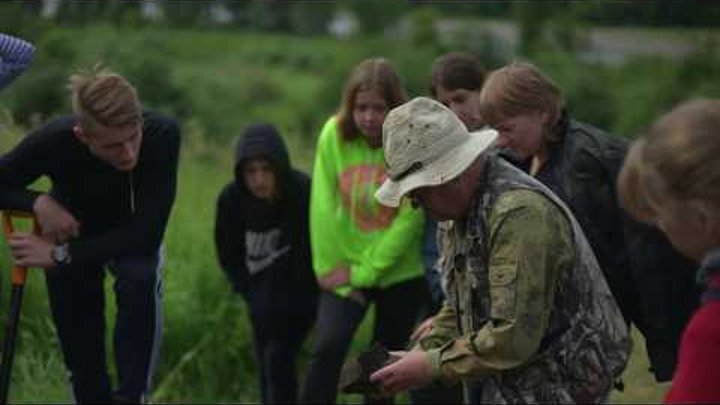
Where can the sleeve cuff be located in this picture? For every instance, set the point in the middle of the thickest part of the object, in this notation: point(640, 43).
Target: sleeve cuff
point(26, 200)
point(433, 357)
point(362, 276)
point(73, 251)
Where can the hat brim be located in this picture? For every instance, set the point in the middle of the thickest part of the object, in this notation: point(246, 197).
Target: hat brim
point(440, 171)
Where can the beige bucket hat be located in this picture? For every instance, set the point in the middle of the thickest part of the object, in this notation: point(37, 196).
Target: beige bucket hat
point(426, 144)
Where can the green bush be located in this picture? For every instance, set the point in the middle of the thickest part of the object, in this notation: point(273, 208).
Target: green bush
point(645, 88)
point(372, 20)
point(149, 72)
point(698, 74)
point(310, 18)
point(586, 87)
point(421, 27)
point(41, 92)
point(642, 89)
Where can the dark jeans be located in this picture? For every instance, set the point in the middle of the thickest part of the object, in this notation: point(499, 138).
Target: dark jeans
point(77, 303)
point(277, 344)
point(396, 314)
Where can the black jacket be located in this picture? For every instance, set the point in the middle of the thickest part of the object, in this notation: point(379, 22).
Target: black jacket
point(263, 247)
point(120, 213)
point(652, 283)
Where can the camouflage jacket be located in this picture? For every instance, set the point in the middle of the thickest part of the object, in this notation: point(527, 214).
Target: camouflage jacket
point(528, 317)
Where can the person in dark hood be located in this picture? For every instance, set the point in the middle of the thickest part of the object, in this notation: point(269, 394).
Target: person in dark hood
point(262, 242)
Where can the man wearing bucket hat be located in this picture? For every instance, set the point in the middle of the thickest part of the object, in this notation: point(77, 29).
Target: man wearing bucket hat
point(528, 316)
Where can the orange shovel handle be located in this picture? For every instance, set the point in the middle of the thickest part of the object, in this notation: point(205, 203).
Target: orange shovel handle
point(19, 273)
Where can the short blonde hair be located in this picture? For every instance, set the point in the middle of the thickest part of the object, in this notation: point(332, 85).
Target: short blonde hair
point(370, 74)
point(678, 159)
point(101, 97)
point(520, 88)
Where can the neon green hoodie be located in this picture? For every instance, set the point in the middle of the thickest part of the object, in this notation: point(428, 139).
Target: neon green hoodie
point(381, 245)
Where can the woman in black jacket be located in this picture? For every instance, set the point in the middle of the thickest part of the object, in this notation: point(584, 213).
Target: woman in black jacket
point(262, 241)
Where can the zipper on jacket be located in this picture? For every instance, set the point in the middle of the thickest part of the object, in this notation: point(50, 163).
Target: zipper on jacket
point(132, 193)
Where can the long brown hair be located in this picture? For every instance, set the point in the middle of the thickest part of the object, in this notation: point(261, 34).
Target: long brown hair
point(370, 74)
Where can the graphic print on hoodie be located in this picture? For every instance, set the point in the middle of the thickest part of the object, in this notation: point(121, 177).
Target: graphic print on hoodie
point(262, 249)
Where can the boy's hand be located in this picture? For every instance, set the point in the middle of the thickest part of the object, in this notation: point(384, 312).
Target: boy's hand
point(30, 250)
point(56, 223)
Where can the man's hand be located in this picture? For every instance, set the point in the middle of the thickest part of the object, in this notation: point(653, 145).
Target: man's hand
point(337, 277)
point(30, 250)
point(411, 371)
point(56, 223)
point(423, 329)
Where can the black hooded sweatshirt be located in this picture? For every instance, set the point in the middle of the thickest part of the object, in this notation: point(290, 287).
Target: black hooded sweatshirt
point(263, 246)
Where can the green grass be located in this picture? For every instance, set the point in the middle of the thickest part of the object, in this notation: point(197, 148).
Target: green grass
point(640, 385)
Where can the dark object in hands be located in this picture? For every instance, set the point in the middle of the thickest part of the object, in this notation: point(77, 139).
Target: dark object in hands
point(355, 374)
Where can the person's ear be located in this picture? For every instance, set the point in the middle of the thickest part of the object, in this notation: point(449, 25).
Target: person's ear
point(80, 134)
point(545, 118)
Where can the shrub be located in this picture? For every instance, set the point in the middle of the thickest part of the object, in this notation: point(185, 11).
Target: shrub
point(41, 92)
point(150, 73)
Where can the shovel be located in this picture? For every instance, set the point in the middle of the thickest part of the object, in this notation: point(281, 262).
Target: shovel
point(11, 328)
